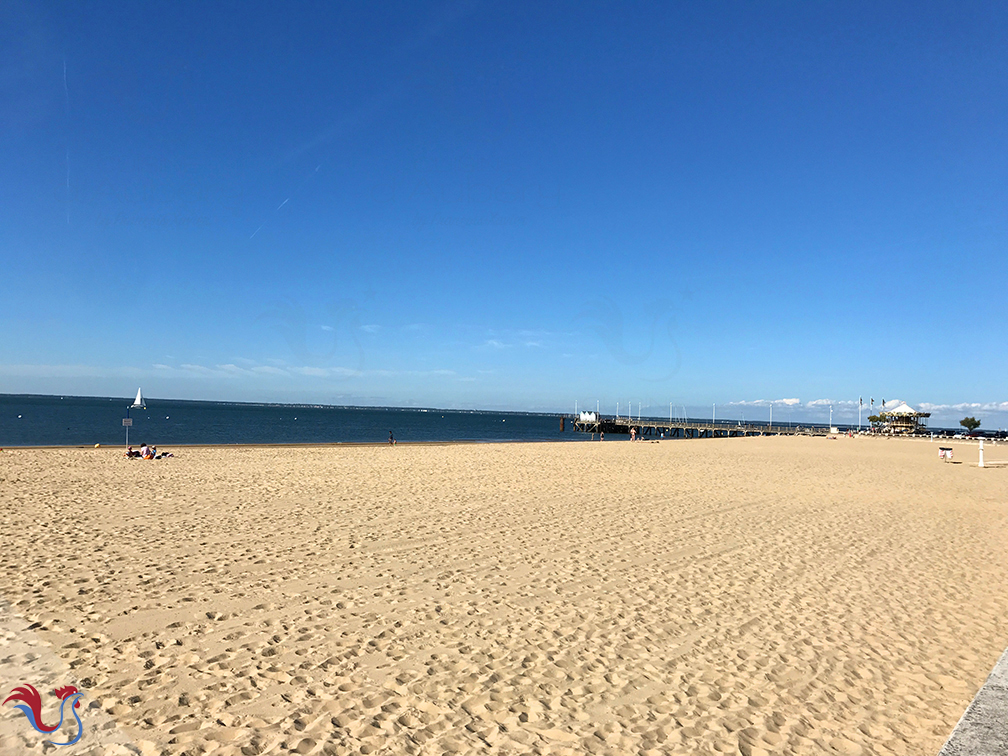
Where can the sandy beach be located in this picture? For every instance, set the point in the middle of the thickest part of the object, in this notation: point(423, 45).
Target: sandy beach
point(757, 595)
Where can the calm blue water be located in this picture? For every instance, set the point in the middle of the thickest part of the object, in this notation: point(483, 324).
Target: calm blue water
point(54, 421)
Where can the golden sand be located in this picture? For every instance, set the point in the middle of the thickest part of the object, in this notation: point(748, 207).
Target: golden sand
point(760, 595)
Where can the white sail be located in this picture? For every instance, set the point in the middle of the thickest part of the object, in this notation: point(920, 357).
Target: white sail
point(139, 401)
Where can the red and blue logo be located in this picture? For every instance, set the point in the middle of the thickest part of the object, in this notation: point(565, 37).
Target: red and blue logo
point(31, 705)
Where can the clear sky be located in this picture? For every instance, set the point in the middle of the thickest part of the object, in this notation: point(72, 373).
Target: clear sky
point(508, 205)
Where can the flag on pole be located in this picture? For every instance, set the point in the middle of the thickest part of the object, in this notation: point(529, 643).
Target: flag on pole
point(860, 401)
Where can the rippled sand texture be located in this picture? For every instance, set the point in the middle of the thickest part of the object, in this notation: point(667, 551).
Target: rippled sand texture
point(776, 595)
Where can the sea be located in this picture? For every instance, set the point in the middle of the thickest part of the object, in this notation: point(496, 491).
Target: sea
point(33, 420)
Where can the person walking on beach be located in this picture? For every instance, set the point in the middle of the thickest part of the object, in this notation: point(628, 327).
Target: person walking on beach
point(391, 439)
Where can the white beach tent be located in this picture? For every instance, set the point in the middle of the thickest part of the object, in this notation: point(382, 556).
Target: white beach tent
point(902, 409)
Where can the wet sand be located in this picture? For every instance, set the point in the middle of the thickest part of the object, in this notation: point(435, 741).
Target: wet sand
point(760, 595)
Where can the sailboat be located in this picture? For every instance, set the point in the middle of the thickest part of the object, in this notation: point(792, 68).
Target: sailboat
point(139, 401)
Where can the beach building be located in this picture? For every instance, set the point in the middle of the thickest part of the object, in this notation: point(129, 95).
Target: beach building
point(903, 420)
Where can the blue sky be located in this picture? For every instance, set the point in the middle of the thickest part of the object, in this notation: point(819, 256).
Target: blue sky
point(502, 205)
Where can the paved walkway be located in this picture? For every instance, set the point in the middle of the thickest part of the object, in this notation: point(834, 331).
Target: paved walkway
point(983, 728)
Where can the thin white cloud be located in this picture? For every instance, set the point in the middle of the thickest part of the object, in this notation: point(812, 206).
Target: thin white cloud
point(229, 371)
point(332, 372)
point(965, 407)
point(764, 402)
point(191, 368)
point(837, 403)
point(314, 372)
point(327, 328)
point(269, 370)
point(69, 371)
point(370, 328)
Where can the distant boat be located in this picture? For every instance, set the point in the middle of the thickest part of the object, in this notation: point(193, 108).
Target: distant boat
point(139, 401)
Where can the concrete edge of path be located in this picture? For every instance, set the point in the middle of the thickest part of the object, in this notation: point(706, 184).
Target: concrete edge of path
point(983, 728)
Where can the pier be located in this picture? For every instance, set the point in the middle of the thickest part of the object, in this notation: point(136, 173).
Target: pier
point(652, 428)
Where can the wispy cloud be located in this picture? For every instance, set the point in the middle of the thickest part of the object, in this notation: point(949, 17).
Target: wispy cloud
point(764, 402)
point(841, 403)
point(330, 372)
point(229, 371)
point(314, 372)
point(200, 369)
point(965, 407)
point(70, 371)
point(269, 370)
point(845, 403)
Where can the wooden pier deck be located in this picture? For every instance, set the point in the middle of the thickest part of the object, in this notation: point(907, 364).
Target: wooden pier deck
point(652, 428)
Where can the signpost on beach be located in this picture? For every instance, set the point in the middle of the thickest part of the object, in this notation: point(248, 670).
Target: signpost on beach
point(127, 422)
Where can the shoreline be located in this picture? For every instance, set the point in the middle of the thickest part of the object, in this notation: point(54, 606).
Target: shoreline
point(615, 439)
